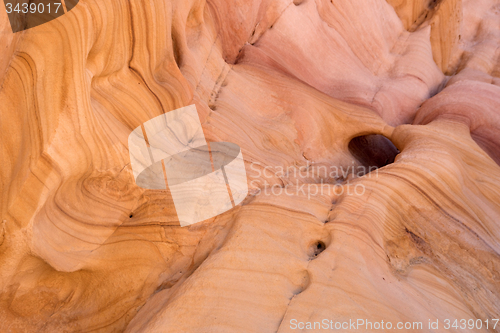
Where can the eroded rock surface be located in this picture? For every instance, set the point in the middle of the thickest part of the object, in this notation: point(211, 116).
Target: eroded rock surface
point(304, 87)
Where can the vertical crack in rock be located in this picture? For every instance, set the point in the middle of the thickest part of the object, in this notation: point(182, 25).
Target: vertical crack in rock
point(303, 288)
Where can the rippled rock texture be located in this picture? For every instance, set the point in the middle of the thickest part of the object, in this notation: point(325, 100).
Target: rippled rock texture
point(406, 90)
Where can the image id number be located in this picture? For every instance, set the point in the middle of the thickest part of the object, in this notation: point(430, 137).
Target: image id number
point(33, 8)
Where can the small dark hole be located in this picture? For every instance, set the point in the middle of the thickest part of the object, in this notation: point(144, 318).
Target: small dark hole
point(373, 151)
point(316, 249)
point(131, 215)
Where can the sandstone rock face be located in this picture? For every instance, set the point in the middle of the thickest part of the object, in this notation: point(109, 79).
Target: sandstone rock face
point(370, 134)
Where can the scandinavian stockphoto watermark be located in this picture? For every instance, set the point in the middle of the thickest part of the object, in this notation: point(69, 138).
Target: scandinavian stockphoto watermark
point(205, 179)
point(364, 325)
point(310, 179)
point(367, 325)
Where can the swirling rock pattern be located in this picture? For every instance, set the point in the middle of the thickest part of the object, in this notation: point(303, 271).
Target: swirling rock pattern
point(84, 249)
